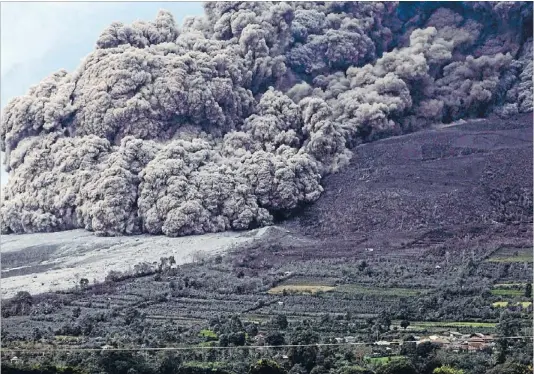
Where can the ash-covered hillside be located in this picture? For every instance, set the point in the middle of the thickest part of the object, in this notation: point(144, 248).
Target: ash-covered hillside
point(235, 117)
point(476, 175)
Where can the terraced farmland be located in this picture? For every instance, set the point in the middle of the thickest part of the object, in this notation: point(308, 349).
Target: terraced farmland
point(510, 255)
point(299, 288)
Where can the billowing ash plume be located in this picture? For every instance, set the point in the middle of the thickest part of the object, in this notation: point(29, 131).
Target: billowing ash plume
point(230, 121)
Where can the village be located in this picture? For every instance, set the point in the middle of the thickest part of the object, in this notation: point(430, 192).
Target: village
point(449, 340)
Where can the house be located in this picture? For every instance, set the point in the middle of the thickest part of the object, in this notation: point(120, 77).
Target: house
point(475, 344)
point(346, 339)
point(478, 341)
point(104, 347)
point(470, 343)
point(483, 337)
point(14, 359)
point(439, 340)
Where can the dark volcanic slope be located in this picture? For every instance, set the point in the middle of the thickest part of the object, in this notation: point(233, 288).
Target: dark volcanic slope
point(475, 173)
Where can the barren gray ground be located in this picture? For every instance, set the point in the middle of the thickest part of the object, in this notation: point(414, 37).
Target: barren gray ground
point(54, 261)
point(473, 173)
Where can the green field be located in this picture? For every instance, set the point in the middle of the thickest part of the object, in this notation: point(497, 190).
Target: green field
point(504, 304)
point(208, 334)
point(507, 292)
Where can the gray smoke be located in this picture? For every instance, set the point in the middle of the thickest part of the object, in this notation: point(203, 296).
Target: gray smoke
point(231, 121)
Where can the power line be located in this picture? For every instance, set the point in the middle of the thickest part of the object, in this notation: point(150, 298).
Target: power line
point(219, 347)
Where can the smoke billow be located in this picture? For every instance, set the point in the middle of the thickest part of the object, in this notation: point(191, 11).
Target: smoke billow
point(231, 120)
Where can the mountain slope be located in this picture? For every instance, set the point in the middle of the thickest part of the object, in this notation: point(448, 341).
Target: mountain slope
point(475, 173)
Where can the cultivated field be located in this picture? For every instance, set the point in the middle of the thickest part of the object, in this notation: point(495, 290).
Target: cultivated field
point(510, 255)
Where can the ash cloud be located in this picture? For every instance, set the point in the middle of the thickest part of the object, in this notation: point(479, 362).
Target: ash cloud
point(231, 120)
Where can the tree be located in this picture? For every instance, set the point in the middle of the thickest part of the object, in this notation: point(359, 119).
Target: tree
point(397, 367)
point(113, 276)
point(120, 362)
point(280, 321)
point(130, 315)
point(354, 370)
point(426, 349)
point(425, 359)
point(404, 324)
point(383, 321)
point(237, 338)
point(36, 334)
point(200, 368)
point(275, 338)
point(23, 302)
point(508, 325)
point(76, 312)
point(447, 370)
point(298, 369)
point(251, 329)
point(223, 340)
point(163, 264)
point(84, 282)
point(409, 346)
point(319, 369)
point(234, 324)
point(306, 352)
point(266, 367)
point(510, 368)
point(528, 290)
